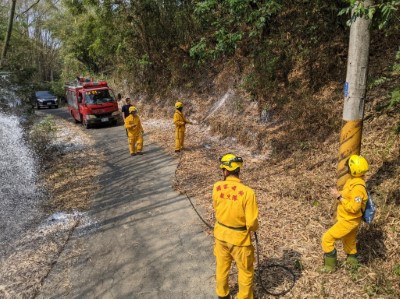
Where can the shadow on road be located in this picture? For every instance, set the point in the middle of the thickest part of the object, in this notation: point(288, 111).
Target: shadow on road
point(144, 241)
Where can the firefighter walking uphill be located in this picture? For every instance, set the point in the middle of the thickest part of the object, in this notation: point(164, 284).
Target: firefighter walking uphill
point(351, 202)
point(236, 214)
point(135, 132)
point(180, 125)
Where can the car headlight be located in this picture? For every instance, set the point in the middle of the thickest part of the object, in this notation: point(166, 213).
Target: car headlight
point(90, 116)
point(40, 100)
point(115, 113)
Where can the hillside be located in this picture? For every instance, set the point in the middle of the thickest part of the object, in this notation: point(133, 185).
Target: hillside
point(263, 79)
point(290, 152)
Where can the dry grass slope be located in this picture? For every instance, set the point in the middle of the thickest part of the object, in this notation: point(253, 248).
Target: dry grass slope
point(290, 160)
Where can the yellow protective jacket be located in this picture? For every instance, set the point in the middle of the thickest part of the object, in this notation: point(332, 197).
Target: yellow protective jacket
point(235, 206)
point(179, 119)
point(133, 120)
point(354, 199)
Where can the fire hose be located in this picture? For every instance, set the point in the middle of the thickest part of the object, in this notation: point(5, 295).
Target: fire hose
point(289, 271)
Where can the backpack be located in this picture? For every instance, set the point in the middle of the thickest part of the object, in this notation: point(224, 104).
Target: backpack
point(370, 209)
point(369, 213)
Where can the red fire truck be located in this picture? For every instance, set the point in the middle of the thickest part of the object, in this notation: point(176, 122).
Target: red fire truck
point(91, 103)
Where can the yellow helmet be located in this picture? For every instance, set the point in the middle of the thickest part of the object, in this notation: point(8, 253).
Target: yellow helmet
point(358, 165)
point(178, 105)
point(132, 109)
point(230, 162)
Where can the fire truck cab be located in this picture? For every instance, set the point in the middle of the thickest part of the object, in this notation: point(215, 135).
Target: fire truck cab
point(91, 103)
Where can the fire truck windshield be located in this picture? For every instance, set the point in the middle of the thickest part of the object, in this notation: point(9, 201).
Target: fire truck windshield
point(98, 97)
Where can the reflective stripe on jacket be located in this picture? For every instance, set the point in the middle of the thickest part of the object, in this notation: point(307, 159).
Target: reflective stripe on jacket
point(235, 206)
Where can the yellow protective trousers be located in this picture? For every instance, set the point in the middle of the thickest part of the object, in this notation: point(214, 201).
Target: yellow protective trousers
point(179, 137)
point(346, 230)
point(225, 253)
point(135, 143)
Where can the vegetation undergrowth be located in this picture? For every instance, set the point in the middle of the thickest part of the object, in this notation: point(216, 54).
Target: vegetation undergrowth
point(42, 134)
point(264, 79)
point(290, 150)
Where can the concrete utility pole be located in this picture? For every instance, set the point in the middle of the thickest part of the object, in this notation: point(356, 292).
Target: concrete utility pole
point(8, 35)
point(354, 94)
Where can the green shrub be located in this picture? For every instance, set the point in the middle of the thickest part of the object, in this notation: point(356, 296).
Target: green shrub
point(378, 82)
point(42, 134)
point(394, 97)
point(396, 270)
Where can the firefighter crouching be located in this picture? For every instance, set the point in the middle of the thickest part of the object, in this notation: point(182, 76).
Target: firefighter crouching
point(236, 214)
point(351, 202)
point(135, 132)
point(180, 122)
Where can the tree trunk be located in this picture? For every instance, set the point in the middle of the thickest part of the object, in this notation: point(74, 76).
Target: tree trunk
point(354, 94)
point(8, 35)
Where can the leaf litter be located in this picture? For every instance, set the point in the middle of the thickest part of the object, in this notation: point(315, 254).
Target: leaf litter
point(292, 188)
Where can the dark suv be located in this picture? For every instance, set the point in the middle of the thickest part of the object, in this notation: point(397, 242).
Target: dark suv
point(45, 99)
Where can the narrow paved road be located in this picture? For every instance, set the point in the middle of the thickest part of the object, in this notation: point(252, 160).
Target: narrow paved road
point(147, 242)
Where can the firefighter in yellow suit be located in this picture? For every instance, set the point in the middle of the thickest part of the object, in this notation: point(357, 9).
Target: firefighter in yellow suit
point(135, 132)
point(180, 122)
point(351, 202)
point(236, 214)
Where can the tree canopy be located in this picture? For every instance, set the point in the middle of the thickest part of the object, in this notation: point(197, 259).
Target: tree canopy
point(155, 44)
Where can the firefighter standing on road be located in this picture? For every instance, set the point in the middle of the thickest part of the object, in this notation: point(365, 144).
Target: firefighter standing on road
point(351, 202)
point(135, 132)
point(180, 121)
point(236, 214)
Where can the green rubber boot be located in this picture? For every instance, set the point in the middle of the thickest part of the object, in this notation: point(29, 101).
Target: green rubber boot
point(353, 260)
point(330, 262)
